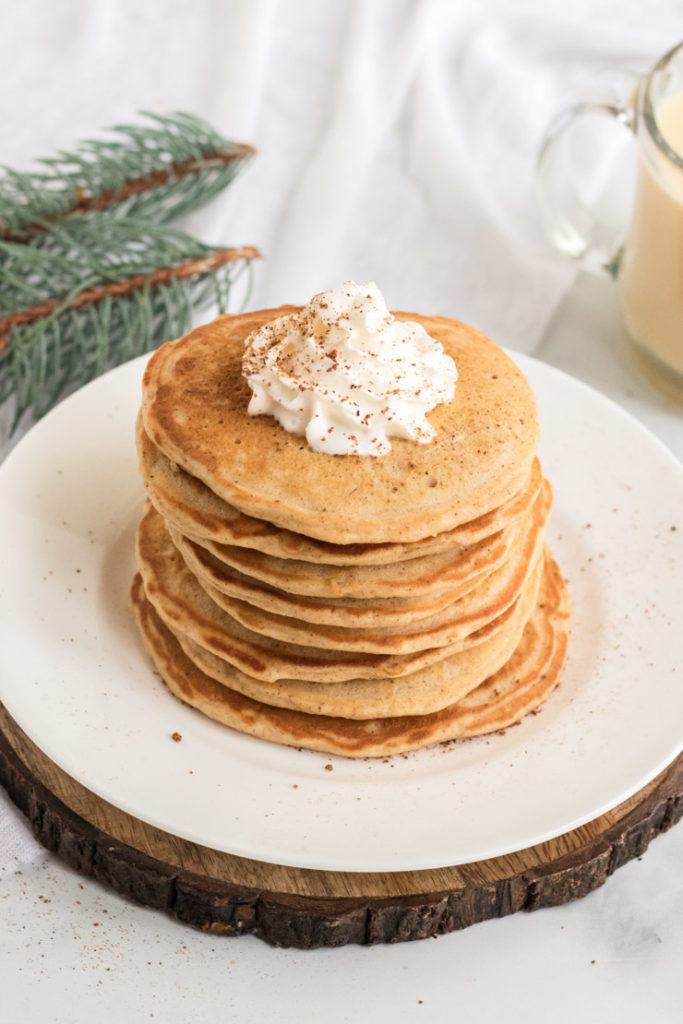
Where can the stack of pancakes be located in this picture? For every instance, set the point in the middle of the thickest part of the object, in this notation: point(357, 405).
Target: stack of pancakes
point(351, 604)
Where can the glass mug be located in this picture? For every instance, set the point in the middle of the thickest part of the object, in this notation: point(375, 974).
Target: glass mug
point(645, 257)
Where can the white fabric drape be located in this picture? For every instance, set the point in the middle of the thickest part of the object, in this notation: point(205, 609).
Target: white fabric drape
point(397, 138)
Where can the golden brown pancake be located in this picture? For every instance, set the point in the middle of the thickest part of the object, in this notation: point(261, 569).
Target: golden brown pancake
point(191, 508)
point(369, 612)
point(167, 576)
point(194, 410)
point(523, 682)
point(350, 604)
point(184, 606)
point(453, 624)
point(422, 586)
point(422, 692)
point(418, 577)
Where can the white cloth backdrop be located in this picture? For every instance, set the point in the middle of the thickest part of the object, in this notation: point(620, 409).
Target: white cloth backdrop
point(396, 138)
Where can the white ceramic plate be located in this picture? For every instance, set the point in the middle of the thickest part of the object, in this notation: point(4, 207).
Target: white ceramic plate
point(74, 676)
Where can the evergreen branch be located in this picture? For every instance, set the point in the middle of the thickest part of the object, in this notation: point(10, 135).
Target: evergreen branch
point(86, 252)
point(105, 295)
point(123, 289)
point(158, 171)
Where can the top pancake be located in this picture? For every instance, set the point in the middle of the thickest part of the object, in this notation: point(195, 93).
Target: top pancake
point(194, 510)
point(195, 410)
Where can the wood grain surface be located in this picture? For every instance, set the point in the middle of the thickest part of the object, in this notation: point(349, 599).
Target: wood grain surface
point(301, 908)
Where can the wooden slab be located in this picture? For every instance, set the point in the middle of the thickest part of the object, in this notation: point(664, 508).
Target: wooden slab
point(295, 907)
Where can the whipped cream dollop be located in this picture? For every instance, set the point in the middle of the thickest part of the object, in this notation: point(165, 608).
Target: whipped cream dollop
point(347, 374)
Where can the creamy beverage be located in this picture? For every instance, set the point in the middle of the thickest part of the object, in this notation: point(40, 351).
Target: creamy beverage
point(648, 265)
point(651, 275)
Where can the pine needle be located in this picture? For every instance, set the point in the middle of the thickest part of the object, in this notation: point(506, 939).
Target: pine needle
point(157, 171)
point(96, 292)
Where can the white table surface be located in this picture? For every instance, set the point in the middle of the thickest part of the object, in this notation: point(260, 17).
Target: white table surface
point(72, 951)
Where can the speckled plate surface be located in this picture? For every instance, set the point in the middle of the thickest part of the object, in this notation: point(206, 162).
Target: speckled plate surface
point(75, 678)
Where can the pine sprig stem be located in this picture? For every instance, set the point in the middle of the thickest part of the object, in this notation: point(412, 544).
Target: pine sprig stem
point(122, 289)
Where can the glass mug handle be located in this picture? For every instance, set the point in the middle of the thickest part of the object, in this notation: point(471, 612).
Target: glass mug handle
point(585, 183)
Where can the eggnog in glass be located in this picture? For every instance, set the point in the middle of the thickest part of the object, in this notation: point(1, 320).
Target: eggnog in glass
point(645, 256)
point(650, 277)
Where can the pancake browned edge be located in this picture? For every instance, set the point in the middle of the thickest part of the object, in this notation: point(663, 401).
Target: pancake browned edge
point(180, 596)
point(194, 410)
point(184, 604)
point(194, 510)
point(431, 688)
point(519, 687)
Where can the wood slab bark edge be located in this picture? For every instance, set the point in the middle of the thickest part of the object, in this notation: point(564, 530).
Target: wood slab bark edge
point(298, 920)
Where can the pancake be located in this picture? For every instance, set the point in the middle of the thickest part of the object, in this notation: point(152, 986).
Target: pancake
point(422, 692)
point(183, 604)
point(159, 561)
point(440, 577)
point(451, 625)
point(193, 509)
point(523, 682)
point(364, 613)
point(194, 409)
point(354, 604)
point(434, 574)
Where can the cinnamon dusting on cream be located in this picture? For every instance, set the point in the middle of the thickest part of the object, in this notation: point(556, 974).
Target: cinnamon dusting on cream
point(344, 372)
